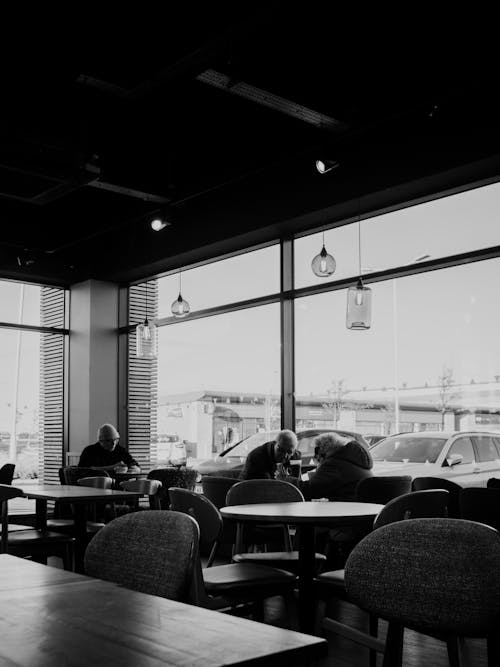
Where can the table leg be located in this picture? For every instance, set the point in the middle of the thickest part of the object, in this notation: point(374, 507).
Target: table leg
point(307, 564)
point(41, 514)
point(80, 516)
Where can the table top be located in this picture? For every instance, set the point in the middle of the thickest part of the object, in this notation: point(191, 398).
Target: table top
point(335, 512)
point(80, 621)
point(74, 494)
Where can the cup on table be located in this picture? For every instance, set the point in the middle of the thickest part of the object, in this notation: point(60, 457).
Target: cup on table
point(295, 468)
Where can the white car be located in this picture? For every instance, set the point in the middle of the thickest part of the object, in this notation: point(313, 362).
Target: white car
point(465, 457)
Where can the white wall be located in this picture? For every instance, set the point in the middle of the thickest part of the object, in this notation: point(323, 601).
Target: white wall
point(93, 360)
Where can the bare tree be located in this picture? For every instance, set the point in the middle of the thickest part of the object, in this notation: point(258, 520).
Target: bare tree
point(446, 392)
point(336, 399)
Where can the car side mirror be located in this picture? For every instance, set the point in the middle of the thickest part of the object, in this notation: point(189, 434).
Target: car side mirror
point(454, 459)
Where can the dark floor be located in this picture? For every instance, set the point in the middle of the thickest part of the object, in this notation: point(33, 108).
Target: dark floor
point(419, 650)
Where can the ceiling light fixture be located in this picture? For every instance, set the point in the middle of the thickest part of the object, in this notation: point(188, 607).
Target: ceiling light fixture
point(158, 224)
point(324, 166)
point(323, 265)
point(359, 298)
point(180, 307)
point(145, 336)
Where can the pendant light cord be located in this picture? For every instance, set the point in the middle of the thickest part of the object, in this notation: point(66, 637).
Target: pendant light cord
point(146, 300)
point(359, 240)
point(323, 239)
point(180, 282)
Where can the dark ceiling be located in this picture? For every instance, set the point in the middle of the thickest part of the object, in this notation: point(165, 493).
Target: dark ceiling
point(214, 116)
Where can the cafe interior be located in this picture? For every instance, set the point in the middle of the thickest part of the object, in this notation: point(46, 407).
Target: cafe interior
point(161, 171)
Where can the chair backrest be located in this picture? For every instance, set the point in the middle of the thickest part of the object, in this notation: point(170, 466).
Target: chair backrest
point(150, 552)
point(493, 483)
point(454, 489)
point(184, 478)
point(96, 482)
point(7, 473)
point(216, 488)
point(251, 491)
point(482, 505)
point(438, 576)
point(71, 474)
point(382, 489)
point(204, 511)
point(6, 493)
point(149, 487)
point(415, 505)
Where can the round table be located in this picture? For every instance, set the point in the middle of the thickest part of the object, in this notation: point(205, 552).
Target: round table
point(306, 515)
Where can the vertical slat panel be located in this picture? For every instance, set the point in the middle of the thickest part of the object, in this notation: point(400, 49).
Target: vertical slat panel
point(142, 401)
point(51, 385)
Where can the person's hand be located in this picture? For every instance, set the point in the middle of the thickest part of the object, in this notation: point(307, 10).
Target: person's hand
point(118, 467)
point(134, 469)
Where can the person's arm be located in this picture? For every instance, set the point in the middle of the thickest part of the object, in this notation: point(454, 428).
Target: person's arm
point(127, 459)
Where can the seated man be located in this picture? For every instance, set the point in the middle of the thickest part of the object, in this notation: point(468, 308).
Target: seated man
point(107, 454)
point(272, 459)
point(342, 463)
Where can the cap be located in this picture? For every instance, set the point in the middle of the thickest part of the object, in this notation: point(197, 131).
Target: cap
point(107, 432)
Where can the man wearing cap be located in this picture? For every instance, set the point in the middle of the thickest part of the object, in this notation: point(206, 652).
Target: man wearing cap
point(107, 454)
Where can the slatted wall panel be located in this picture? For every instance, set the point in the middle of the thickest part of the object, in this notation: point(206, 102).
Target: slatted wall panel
point(142, 380)
point(51, 385)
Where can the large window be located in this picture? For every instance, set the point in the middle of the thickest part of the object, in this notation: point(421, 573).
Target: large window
point(429, 362)
point(32, 379)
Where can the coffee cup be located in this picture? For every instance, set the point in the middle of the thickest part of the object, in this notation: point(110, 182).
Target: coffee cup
point(295, 467)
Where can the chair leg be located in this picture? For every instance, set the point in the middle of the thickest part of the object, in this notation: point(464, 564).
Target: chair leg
point(67, 558)
point(393, 654)
point(320, 614)
point(373, 629)
point(291, 610)
point(453, 651)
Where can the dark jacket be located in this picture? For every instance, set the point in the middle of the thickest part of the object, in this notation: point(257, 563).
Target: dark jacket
point(337, 476)
point(95, 456)
point(261, 464)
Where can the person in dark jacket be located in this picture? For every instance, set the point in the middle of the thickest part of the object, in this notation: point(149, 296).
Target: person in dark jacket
point(107, 454)
point(342, 463)
point(272, 459)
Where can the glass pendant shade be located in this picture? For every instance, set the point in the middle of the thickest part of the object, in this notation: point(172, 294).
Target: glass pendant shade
point(323, 265)
point(145, 334)
point(359, 307)
point(180, 307)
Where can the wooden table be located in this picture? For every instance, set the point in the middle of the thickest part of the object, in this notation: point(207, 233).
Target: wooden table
point(79, 621)
point(306, 515)
point(79, 497)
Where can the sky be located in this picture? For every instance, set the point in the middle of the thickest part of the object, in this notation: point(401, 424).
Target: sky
point(447, 318)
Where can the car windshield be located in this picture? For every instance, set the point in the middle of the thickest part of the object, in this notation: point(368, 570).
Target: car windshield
point(248, 444)
point(411, 449)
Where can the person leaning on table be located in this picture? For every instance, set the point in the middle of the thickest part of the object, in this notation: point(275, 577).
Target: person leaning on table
point(342, 463)
point(106, 453)
point(272, 459)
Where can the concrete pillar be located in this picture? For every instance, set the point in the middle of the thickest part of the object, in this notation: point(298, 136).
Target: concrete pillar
point(93, 360)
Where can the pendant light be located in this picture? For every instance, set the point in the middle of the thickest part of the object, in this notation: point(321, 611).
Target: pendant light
point(145, 336)
point(323, 265)
point(180, 307)
point(359, 298)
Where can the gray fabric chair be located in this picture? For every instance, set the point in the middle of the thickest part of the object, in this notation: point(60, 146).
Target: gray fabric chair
point(254, 491)
point(231, 585)
point(27, 541)
point(148, 487)
point(216, 488)
point(440, 577)
point(179, 477)
point(454, 489)
point(152, 552)
point(330, 585)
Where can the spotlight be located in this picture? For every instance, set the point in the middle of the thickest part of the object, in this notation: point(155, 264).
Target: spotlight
point(324, 166)
point(158, 224)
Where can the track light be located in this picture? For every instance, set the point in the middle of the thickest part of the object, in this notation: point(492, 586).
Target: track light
point(161, 219)
point(158, 224)
point(324, 166)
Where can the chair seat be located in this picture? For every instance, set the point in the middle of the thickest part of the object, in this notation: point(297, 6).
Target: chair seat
point(243, 575)
point(68, 526)
point(289, 560)
point(25, 537)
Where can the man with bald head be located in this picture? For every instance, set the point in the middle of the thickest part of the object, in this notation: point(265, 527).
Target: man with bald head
point(262, 462)
point(106, 453)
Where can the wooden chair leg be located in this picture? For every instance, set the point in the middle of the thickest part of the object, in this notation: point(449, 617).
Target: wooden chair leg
point(453, 651)
point(373, 630)
point(393, 654)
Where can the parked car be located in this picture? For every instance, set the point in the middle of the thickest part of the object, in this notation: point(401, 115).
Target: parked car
point(171, 450)
point(373, 439)
point(230, 462)
point(466, 457)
